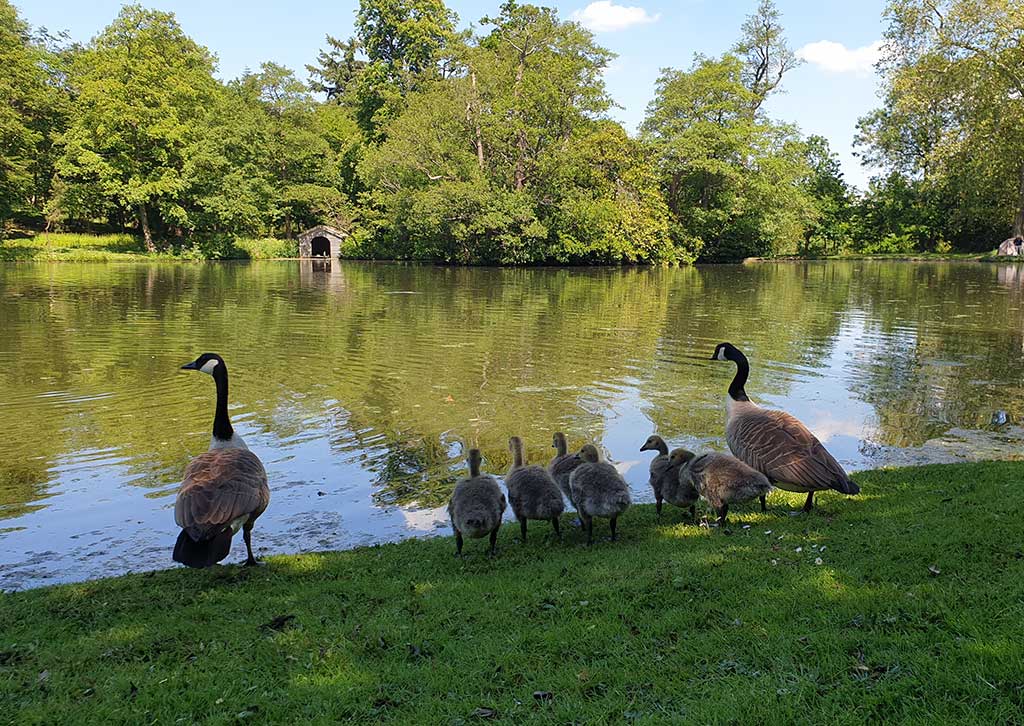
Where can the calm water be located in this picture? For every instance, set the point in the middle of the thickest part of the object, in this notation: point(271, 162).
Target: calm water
point(359, 387)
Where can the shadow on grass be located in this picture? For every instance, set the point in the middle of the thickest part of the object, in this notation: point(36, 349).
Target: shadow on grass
point(674, 622)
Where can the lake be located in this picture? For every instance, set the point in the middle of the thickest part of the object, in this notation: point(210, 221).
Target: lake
point(361, 386)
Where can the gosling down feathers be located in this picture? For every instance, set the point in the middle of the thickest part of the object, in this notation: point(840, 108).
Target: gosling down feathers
point(659, 467)
point(676, 488)
point(598, 490)
point(532, 492)
point(562, 464)
point(775, 443)
point(476, 505)
point(720, 479)
point(224, 489)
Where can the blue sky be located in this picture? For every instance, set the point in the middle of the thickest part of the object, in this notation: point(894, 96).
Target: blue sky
point(824, 96)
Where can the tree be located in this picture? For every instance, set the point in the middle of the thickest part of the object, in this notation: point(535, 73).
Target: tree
point(765, 53)
point(954, 100)
point(143, 92)
point(405, 42)
point(33, 112)
point(337, 68)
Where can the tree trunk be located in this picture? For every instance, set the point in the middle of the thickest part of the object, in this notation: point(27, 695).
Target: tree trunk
point(476, 124)
point(1018, 222)
point(147, 234)
point(519, 177)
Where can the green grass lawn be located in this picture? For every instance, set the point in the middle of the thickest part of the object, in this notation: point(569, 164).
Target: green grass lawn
point(914, 613)
point(67, 247)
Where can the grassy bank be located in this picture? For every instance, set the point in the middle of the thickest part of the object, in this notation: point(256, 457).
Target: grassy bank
point(913, 613)
point(63, 247)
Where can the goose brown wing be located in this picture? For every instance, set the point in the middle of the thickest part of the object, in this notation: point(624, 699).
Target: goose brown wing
point(783, 449)
point(220, 486)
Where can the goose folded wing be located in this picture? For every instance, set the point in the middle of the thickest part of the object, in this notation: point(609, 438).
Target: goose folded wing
point(786, 451)
point(219, 487)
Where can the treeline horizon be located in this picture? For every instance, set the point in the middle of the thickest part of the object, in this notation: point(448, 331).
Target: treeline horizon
point(494, 145)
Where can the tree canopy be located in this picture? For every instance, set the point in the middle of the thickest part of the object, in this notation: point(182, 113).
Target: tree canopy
point(496, 145)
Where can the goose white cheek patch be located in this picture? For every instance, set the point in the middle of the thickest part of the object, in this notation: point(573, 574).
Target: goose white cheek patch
point(721, 354)
point(208, 366)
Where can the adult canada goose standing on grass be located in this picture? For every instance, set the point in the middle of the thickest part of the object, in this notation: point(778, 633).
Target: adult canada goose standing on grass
point(223, 490)
point(775, 443)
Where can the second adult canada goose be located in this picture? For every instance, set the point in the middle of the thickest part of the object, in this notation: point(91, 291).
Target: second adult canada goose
point(720, 479)
point(659, 466)
point(562, 464)
point(532, 492)
point(775, 443)
point(476, 505)
point(598, 490)
point(223, 489)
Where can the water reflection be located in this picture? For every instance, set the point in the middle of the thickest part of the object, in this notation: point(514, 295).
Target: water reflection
point(361, 384)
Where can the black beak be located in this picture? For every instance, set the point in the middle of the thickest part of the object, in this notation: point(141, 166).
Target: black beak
point(193, 366)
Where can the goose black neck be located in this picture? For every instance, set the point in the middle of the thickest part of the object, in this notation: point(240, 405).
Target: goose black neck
point(737, 390)
point(222, 429)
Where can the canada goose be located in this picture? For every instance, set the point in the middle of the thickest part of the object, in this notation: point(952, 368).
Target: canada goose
point(677, 489)
point(659, 465)
point(562, 464)
point(532, 492)
point(476, 505)
point(598, 490)
point(721, 479)
point(223, 489)
point(775, 443)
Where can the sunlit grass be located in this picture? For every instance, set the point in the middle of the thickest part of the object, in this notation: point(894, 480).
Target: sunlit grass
point(828, 617)
point(69, 247)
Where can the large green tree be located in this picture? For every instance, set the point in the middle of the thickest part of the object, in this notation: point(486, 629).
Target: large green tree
point(33, 110)
point(143, 93)
point(953, 114)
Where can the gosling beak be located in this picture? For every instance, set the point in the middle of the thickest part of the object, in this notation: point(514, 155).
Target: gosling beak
point(193, 366)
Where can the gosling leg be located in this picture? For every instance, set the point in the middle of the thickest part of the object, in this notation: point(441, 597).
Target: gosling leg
point(522, 528)
point(722, 512)
point(458, 543)
point(657, 507)
point(764, 502)
point(611, 524)
point(554, 523)
point(588, 522)
point(494, 540)
point(693, 512)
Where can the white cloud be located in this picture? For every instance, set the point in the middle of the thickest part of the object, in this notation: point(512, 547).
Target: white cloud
point(837, 58)
point(604, 16)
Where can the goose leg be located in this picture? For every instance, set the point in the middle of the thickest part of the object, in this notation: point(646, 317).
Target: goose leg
point(657, 507)
point(522, 527)
point(764, 503)
point(588, 522)
point(611, 525)
point(809, 504)
point(458, 543)
point(494, 540)
point(554, 523)
point(693, 511)
point(247, 535)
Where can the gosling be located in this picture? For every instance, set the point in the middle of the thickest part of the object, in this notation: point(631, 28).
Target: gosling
point(721, 480)
point(562, 464)
point(659, 467)
point(476, 506)
point(532, 491)
point(598, 490)
point(677, 487)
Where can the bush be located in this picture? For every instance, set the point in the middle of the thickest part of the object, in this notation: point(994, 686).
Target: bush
point(266, 248)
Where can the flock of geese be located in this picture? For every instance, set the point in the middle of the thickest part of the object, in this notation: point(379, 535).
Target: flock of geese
point(225, 489)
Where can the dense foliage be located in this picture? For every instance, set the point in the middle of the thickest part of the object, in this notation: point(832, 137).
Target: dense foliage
point(494, 145)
